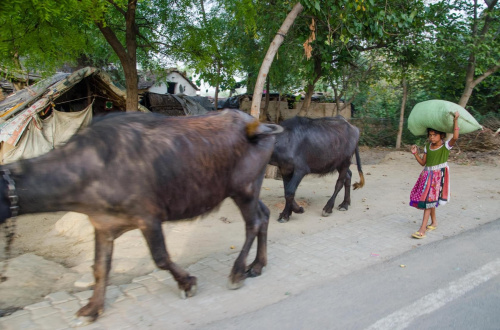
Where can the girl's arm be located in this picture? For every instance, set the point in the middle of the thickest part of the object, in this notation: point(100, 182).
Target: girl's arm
point(455, 130)
point(420, 160)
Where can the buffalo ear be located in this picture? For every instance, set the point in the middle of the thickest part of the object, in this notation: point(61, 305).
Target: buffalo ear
point(263, 129)
point(271, 129)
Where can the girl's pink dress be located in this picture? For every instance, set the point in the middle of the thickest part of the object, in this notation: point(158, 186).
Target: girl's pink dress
point(433, 185)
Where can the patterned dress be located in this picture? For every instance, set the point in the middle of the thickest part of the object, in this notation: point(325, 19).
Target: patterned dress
point(433, 185)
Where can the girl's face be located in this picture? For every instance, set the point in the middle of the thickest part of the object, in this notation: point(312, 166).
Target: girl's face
point(434, 137)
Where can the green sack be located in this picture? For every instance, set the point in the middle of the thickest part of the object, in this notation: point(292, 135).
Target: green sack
point(439, 114)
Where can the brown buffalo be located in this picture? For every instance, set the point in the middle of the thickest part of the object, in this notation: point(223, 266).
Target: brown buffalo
point(135, 170)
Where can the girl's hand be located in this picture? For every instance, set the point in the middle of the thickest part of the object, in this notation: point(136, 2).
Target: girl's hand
point(414, 149)
point(457, 115)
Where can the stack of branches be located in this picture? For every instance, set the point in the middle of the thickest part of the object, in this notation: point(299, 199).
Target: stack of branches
point(486, 140)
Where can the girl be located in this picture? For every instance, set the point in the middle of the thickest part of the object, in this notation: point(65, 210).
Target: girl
point(433, 184)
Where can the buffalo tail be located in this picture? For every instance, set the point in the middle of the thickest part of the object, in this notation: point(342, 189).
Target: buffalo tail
point(361, 182)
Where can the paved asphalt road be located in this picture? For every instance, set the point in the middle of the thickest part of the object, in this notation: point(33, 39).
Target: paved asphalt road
point(453, 283)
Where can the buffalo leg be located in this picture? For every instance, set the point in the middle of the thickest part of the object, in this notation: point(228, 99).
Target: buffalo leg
point(153, 234)
point(344, 206)
point(256, 267)
point(251, 212)
point(102, 264)
point(327, 210)
point(291, 183)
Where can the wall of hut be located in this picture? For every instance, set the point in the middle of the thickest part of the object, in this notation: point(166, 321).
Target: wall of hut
point(281, 109)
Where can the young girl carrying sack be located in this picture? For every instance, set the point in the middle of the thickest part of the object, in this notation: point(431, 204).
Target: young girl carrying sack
point(433, 185)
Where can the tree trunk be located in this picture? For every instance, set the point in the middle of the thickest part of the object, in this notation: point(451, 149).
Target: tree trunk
point(469, 82)
point(487, 18)
point(304, 111)
point(127, 54)
point(265, 115)
point(402, 113)
point(131, 78)
point(268, 59)
point(216, 96)
point(337, 100)
point(278, 109)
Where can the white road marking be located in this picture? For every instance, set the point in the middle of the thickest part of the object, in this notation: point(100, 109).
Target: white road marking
point(433, 301)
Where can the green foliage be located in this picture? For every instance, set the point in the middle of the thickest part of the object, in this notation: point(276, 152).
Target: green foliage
point(44, 35)
point(362, 48)
point(204, 37)
point(459, 34)
point(41, 34)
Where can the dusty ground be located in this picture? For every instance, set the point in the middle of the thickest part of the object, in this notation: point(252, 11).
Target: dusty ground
point(53, 252)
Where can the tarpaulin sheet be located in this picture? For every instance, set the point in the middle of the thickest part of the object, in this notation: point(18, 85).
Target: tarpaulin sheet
point(190, 106)
point(13, 129)
point(41, 136)
point(18, 101)
point(44, 93)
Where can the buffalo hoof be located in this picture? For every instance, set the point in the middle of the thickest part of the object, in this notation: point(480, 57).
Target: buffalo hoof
point(81, 321)
point(297, 209)
point(88, 313)
point(235, 285)
point(184, 294)
point(254, 272)
point(187, 287)
point(343, 207)
point(326, 214)
point(282, 220)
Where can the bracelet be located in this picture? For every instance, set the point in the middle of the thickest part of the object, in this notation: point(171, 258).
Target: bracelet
point(457, 128)
point(414, 153)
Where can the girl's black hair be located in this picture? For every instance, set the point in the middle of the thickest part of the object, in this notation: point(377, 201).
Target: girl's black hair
point(435, 130)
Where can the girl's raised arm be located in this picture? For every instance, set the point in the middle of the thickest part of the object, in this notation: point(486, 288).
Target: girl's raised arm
point(455, 130)
point(414, 151)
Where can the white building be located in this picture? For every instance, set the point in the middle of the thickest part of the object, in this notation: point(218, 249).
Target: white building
point(175, 82)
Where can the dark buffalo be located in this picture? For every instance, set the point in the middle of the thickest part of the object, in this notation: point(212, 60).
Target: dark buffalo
point(317, 146)
point(137, 170)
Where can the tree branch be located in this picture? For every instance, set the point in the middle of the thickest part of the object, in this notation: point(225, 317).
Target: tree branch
point(113, 41)
point(486, 74)
point(121, 11)
point(487, 21)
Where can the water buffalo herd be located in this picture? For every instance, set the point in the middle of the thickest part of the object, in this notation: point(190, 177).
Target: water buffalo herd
point(136, 170)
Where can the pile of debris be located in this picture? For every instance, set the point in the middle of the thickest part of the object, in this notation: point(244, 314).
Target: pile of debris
point(484, 140)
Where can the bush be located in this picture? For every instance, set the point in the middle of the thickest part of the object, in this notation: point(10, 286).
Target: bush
point(382, 132)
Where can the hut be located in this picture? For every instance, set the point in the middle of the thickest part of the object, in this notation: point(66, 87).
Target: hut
point(45, 115)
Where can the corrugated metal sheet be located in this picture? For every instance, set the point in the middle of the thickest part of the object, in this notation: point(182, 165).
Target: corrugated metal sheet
point(18, 101)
